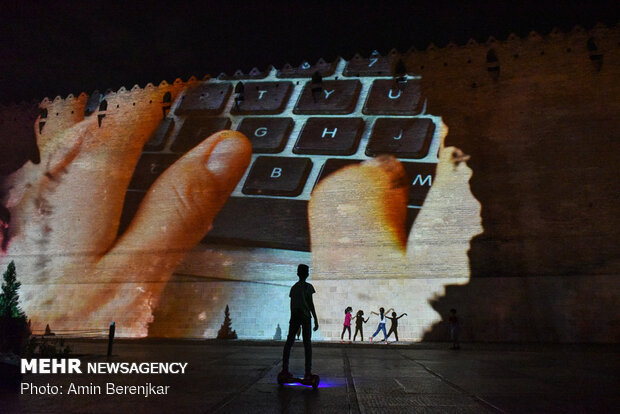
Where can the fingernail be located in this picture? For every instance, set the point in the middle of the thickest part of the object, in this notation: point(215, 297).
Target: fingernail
point(224, 162)
point(387, 162)
point(398, 176)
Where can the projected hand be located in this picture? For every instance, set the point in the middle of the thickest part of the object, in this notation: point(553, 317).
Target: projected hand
point(357, 221)
point(66, 213)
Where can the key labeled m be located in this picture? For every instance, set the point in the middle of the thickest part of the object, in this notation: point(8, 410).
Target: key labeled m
point(420, 180)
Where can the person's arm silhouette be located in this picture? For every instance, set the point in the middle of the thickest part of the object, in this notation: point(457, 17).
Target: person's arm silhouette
point(313, 311)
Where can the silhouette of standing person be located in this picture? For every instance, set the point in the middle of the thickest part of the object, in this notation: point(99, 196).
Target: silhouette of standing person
point(455, 329)
point(302, 308)
point(347, 323)
point(381, 326)
point(359, 327)
point(394, 327)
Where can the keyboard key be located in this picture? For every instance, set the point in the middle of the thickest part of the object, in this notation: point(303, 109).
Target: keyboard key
point(195, 129)
point(263, 98)
point(375, 65)
point(204, 98)
point(265, 222)
point(282, 176)
point(160, 136)
point(421, 176)
point(149, 167)
point(335, 97)
point(401, 137)
point(306, 70)
point(268, 135)
point(329, 136)
point(390, 97)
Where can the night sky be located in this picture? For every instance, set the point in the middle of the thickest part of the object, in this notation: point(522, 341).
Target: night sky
point(61, 47)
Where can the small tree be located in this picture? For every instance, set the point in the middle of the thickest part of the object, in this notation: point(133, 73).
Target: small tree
point(225, 332)
point(9, 298)
point(14, 329)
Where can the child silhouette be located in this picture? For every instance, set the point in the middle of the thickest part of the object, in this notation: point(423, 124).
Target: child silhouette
point(455, 329)
point(381, 326)
point(359, 321)
point(394, 327)
point(347, 323)
point(302, 308)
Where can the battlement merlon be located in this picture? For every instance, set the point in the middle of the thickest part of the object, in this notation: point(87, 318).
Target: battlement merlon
point(470, 67)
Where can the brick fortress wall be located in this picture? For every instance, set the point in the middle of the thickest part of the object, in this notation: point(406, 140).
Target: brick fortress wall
point(540, 118)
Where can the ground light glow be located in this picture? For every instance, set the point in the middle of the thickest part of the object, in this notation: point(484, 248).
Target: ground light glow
point(324, 383)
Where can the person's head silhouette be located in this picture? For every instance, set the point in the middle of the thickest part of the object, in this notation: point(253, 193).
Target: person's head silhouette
point(302, 271)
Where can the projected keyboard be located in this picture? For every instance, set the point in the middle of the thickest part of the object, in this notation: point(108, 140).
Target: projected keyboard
point(304, 123)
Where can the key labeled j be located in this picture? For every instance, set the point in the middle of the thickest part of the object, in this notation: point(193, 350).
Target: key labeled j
point(401, 137)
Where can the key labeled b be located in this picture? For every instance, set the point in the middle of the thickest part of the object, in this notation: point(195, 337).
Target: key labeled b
point(278, 176)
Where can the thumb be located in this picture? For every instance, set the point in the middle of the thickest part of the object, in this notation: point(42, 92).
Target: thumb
point(357, 220)
point(179, 208)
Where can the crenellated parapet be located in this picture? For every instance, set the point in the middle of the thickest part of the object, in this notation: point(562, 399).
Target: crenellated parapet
point(17, 121)
point(474, 66)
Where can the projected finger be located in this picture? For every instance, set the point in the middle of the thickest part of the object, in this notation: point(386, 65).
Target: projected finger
point(179, 208)
point(357, 215)
point(90, 168)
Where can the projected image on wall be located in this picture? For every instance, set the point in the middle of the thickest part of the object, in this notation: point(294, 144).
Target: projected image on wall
point(166, 207)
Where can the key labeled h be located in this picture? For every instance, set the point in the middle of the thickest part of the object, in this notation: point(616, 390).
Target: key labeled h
point(328, 132)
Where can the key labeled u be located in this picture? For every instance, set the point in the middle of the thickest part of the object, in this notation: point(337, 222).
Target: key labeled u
point(392, 96)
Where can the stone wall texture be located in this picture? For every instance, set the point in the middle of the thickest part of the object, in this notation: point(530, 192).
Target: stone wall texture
point(540, 119)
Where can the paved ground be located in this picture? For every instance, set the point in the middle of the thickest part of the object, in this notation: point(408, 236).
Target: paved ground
point(238, 377)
